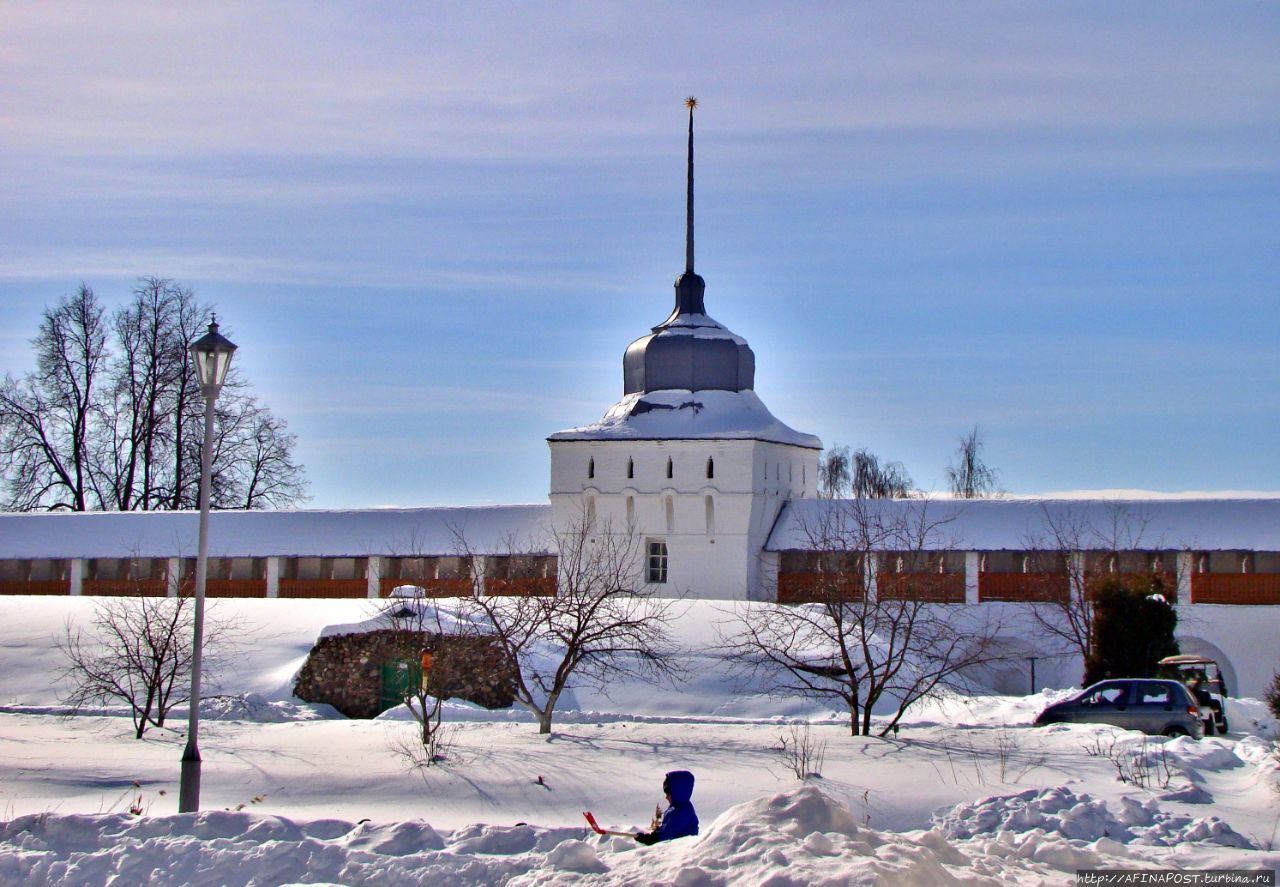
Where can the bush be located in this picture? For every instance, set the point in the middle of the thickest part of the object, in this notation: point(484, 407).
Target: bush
point(1272, 695)
point(1133, 628)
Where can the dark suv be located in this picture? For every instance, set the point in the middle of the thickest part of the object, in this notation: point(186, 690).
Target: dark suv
point(1158, 707)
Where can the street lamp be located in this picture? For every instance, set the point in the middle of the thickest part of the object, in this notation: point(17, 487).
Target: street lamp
point(212, 355)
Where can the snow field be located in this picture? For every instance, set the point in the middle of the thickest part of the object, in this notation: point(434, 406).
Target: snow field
point(967, 793)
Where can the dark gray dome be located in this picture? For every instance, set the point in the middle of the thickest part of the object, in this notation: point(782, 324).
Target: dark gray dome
point(688, 350)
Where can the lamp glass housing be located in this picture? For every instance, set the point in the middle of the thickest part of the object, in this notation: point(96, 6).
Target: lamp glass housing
point(212, 355)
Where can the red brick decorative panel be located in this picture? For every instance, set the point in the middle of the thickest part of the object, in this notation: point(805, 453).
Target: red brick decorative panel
point(125, 587)
point(18, 586)
point(1023, 587)
point(1235, 588)
point(324, 588)
point(939, 588)
point(233, 587)
point(432, 587)
point(521, 586)
point(815, 588)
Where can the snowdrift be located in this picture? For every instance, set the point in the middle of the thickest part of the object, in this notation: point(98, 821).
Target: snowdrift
point(801, 837)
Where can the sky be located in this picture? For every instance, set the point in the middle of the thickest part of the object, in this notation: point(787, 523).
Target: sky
point(433, 229)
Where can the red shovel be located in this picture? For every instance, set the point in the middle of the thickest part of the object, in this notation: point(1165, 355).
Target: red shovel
point(595, 827)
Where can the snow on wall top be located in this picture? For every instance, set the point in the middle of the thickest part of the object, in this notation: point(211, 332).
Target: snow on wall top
point(690, 415)
point(1020, 524)
point(371, 532)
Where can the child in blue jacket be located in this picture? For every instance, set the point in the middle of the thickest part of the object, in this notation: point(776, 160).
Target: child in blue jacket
point(680, 819)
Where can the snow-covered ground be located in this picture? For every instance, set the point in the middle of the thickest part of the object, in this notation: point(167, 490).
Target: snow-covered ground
point(967, 792)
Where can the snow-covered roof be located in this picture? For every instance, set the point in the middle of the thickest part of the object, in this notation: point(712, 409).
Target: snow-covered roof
point(1020, 524)
point(690, 415)
point(406, 532)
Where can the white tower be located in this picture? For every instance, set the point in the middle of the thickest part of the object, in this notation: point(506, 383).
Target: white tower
point(690, 459)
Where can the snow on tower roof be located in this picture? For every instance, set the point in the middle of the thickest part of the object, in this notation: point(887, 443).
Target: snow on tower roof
point(358, 533)
point(690, 415)
point(1021, 524)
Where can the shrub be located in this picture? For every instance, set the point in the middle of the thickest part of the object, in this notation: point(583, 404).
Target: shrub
point(1133, 628)
point(1272, 695)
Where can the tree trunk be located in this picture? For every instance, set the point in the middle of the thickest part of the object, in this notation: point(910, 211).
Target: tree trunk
point(544, 723)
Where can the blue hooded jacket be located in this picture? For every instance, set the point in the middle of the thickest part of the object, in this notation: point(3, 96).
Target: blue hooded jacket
point(680, 819)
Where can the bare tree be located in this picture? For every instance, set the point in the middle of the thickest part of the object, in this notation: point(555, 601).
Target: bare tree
point(872, 480)
point(969, 476)
point(861, 474)
point(139, 653)
point(599, 625)
point(833, 473)
point(856, 647)
point(1090, 545)
point(112, 419)
point(47, 418)
point(423, 691)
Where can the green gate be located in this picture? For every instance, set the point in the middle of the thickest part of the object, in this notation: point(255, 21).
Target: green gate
point(400, 678)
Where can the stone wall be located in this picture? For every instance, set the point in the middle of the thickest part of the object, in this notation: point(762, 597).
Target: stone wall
point(345, 670)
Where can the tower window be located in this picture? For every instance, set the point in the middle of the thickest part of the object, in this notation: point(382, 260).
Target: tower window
point(657, 561)
point(711, 516)
point(591, 468)
point(671, 515)
point(711, 468)
point(670, 468)
point(631, 511)
point(631, 468)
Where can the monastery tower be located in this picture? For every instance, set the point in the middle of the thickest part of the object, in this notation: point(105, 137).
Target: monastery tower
point(690, 460)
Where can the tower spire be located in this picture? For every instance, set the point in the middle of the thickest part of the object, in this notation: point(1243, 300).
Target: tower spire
point(689, 103)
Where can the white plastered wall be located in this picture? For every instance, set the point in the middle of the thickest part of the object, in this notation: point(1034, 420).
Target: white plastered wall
point(714, 551)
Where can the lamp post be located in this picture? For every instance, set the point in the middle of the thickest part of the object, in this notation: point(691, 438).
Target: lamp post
point(212, 355)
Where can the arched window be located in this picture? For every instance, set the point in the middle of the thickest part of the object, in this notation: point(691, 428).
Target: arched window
point(670, 468)
point(671, 516)
point(591, 468)
point(631, 467)
point(591, 510)
point(631, 511)
point(711, 468)
point(711, 516)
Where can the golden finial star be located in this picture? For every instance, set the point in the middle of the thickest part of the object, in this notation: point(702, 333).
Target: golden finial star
point(691, 103)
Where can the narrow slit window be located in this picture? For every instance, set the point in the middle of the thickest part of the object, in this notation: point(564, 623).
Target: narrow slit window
point(591, 468)
point(711, 468)
point(671, 516)
point(711, 516)
point(670, 468)
point(631, 468)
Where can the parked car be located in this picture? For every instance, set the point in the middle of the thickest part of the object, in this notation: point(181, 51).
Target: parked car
point(1204, 679)
point(1156, 706)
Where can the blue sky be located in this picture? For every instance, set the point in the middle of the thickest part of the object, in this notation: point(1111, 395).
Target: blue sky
point(433, 229)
